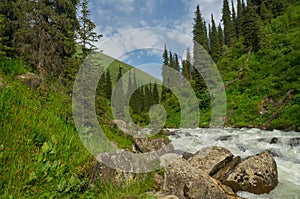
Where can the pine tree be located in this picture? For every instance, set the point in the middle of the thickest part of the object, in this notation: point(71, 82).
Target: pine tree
point(44, 34)
point(221, 38)
point(3, 46)
point(86, 32)
point(120, 95)
point(228, 25)
point(199, 30)
point(186, 66)
point(165, 73)
point(214, 41)
point(251, 28)
point(108, 85)
point(240, 18)
point(155, 94)
point(265, 13)
point(234, 20)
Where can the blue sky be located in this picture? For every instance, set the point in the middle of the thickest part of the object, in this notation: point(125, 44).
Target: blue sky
point(127, 36)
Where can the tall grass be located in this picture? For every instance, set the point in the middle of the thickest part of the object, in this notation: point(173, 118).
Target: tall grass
point(41, 154)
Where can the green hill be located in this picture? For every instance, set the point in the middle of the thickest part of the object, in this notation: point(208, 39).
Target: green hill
point(263, 87)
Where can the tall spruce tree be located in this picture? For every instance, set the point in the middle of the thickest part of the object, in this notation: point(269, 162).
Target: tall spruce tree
point(187, 65)
point(221, 38)
point(228, 24)
point(240, 18)
point(155, 94)
point(251, 28)
point(44, 34)
point(86, 33)
point(199, 30)
point(214, 41)
point(108, 85)
point(165, 73)
point(234, 20)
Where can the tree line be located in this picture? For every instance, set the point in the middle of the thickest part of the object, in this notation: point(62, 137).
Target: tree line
point(49, 36)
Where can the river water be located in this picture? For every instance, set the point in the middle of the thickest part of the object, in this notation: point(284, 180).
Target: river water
point(246, 142)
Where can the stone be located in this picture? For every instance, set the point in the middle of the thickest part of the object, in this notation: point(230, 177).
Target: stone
point(225, 138)
point(274, 140)
point(187, 182)
point(30, 79)
point(222, 173)
point(293, 142)
point(257, 174)
point(211, 159)
point(187, 155)
point(143, 144)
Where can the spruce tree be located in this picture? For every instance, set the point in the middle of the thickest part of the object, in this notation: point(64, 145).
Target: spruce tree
point(155, 94)
point(199, 30)
point(186, 66)
point(86, 32)
point(240, 18)
point(265, 13)
point(221, 38)
point(44, 34)
point(108, 85)
point(234, 20)
point(228, 25)
point(165, 73)
point(251, 28)
point(214, 41)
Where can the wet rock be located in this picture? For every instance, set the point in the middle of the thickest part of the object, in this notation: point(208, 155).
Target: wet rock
point(188, 134)
point(30, 79)
point(187, 182)
point(241, 147)
point(294, 142)
point(187, 155)
point(222, 173)
point(275, 152)
point(211, 159)
point(143, 144)
point(257, 174)
point(274, 140)
point(225, 138)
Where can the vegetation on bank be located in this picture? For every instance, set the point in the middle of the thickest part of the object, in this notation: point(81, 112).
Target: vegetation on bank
point(41, 154)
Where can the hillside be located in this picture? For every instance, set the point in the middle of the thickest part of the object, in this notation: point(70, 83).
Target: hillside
point(263, 87)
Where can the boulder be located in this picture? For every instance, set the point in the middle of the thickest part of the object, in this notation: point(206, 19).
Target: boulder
point(187, 182)
point(222, 173)
point(293, 142)
point(143, 144)
point(274, 140)
point(30, 79)
point(256, 174)
point(211, 159)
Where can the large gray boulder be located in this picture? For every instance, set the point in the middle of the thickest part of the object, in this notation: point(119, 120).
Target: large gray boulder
point(211, 159)
point(187, 182)
point(30, 79)
point(143, 144)
point(256, 174)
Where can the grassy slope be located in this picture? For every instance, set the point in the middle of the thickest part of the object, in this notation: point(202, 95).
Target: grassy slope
point(267, 76)
point(41, 154)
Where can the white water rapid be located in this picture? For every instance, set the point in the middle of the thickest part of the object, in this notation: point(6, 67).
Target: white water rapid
point(246, 142)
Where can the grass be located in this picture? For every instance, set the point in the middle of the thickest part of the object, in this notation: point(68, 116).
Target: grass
point(41, 154)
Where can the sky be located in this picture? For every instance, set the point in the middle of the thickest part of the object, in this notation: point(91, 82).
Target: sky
point(135, 31)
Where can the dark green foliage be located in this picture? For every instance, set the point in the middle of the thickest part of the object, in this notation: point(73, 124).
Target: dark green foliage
point(200, 31)
point(215, 46)
point(251, 28)
point(108, 85)
point(229, 32)
point(86, 31)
